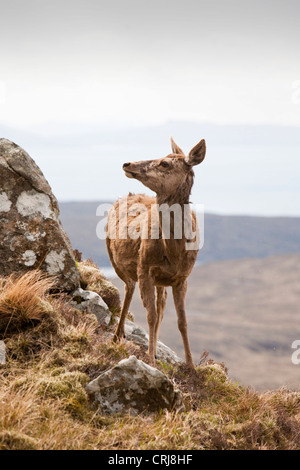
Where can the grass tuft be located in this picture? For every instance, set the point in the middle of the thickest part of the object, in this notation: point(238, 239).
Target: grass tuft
point(23, 300)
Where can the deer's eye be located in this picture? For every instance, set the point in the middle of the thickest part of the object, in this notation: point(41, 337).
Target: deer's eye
point(164, 164)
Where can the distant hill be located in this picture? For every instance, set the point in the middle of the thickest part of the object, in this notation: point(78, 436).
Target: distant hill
point(226, 237)
point(80, 222)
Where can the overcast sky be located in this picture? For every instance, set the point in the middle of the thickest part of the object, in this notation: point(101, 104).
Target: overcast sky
point(78, 66)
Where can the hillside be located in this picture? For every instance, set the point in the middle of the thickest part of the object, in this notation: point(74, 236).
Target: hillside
point(226, 237)
point(53, 351)
point(245, 313)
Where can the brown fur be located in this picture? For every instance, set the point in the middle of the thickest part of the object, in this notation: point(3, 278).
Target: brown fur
point(155, 263)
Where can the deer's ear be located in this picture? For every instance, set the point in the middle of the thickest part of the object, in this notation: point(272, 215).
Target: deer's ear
point(175, 149)
point(197, 154)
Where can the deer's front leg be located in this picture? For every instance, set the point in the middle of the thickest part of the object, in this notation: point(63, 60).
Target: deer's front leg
point(147, 291)
point(161, 299)
point(129, 290)
point(179, 292)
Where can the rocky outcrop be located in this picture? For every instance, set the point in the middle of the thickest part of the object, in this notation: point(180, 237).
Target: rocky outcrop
point(135, 387)
point(31, 234)
point(90, 302)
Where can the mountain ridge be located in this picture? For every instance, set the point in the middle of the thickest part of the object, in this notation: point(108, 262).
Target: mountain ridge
point(225, 236)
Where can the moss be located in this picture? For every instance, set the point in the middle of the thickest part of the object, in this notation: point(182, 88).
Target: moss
point(68, 385)
point(92, 279)
point(57, 371)
point(57, 358)
point(73, 349)
point(14, 440)
point(213, 372)
point(113, 351)
point(219, 385)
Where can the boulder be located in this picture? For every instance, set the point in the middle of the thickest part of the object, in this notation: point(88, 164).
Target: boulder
point(31, 234)
point(91, 302)
point(133, 387)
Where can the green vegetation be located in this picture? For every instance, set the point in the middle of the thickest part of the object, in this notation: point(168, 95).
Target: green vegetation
point(57, 350)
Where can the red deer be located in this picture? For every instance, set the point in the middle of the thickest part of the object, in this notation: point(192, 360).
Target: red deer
point(155, 262)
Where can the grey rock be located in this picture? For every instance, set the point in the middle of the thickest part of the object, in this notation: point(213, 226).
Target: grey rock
point(31, 234)
point(133, 387)
point(91, 302)
point(139, 336)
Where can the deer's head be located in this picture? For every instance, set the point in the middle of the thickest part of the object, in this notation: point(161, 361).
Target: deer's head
point(171, 174)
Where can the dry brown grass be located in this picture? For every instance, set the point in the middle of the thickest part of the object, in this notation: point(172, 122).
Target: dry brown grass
point(43, 403)
point(23, 300)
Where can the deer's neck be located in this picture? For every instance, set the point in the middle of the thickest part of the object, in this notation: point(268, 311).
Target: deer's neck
point(181, 197)
point(173, 233)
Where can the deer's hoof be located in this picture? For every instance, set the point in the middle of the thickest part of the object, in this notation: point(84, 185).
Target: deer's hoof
point(191, 366)
point(152, 362)
point(117, 338)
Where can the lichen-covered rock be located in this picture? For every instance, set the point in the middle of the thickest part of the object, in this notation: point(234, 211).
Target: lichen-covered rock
point(31, 234)
point(91, 302)
point(135, 387)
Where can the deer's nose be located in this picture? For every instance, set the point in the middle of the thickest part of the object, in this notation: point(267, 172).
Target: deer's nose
point(126, 164)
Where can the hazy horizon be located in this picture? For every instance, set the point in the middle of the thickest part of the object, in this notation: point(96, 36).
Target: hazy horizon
point(87, 85)
point(248, 170)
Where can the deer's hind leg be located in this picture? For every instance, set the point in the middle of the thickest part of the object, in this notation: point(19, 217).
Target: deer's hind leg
point(179, 293)
point(161, 300)
point(129, 290)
